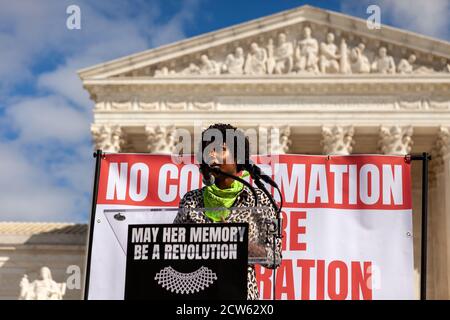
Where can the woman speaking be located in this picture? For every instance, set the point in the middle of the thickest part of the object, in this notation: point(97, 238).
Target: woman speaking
point(220, 191)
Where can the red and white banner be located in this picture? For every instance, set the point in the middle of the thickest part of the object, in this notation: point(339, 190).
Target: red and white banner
point(347, 223)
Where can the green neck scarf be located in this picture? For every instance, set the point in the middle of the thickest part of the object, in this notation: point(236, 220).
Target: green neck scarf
point(214, 197)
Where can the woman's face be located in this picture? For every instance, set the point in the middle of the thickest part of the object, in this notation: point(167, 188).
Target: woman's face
point(223, 159)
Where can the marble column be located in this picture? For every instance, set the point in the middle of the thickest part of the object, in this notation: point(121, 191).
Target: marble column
point(337, 140)
point(439, 217)
point(397, 140)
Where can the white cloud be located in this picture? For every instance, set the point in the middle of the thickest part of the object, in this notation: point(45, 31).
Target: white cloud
point(111, 39)
point(33, 30)
point(64, 81)
point(424, 17)
point(75, 168)
point(27, 29)
point(173, 29)
point(48, 118)
point(427, 17)
point(47, 165)
point(28, 192)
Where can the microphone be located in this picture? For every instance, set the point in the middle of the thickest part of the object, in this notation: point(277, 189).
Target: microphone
point(207, 178)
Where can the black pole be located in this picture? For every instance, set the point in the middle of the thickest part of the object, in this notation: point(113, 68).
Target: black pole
point(424, 157)
point(257, 176)
point(274, 235)
point(277, 210)
point(274, 274)
point(424, 238)
point(98, 158)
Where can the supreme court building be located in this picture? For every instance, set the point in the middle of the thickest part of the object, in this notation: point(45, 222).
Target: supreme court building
point(323, 80)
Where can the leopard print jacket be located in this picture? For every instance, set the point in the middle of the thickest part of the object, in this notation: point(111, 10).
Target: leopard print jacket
point(194, 200)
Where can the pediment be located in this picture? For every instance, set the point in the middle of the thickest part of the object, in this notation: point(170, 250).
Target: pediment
point(302, 41)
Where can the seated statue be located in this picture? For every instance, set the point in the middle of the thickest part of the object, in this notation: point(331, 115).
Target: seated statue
point(234, 63)
point(191, 70)
point(255, 64)
point(383, 63)
point(307, 53)
point(328, 56)
point(283, 55)
point(406, 66)
point(359, 61)
point(208, 66)
point(44, 288)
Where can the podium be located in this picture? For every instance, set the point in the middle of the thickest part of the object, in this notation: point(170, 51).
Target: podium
point(190, 261)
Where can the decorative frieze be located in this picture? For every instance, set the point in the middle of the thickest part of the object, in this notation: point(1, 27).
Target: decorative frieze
point(267, 102)
point(152, 104)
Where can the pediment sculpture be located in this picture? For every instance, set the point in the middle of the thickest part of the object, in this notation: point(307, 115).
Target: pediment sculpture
point(299, 55)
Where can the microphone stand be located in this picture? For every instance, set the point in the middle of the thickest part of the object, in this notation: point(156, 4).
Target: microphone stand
point(276, 232)
point(257, 176)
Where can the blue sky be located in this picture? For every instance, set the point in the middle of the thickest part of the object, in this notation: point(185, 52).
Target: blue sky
point(45, 143)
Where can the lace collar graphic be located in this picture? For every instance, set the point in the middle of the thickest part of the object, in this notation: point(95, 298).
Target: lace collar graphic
point(185, 283)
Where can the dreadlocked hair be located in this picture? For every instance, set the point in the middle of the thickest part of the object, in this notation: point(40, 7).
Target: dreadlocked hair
point(232, 137)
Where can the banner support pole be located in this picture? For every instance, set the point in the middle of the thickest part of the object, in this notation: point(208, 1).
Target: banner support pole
point(424, 157)
point(98, 155)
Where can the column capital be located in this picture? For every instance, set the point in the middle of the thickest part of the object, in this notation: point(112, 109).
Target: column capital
point(108, 137)
point(395, 139)
point(439, 152)
point(337, 139)
point(161, 139)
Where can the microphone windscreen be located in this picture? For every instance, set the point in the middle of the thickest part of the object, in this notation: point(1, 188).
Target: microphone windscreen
point(208, 181)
